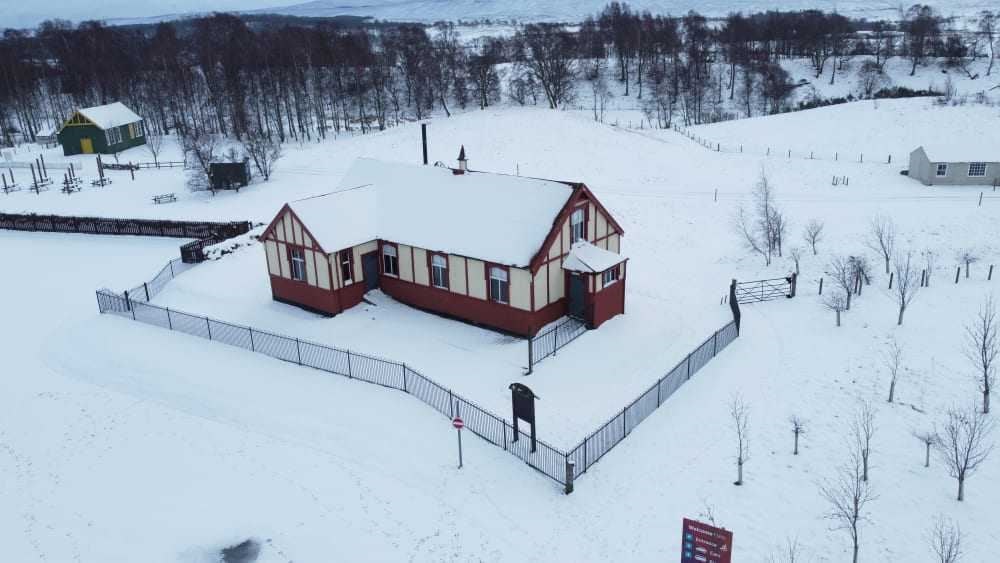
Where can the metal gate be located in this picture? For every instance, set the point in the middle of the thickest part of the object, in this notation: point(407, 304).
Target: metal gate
point(765, 290)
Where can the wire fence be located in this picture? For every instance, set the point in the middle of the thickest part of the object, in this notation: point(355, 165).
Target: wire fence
point(562, 467)
point(796, 153)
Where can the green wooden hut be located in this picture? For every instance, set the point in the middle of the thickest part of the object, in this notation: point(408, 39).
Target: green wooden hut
point(106, 129)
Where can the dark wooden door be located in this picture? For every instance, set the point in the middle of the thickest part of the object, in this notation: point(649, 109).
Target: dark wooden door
point(577, 296)
point(369, 267)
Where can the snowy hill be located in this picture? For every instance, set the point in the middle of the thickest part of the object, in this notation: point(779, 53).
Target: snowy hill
point(118, 438)
point(576, 10)
point(127, 12)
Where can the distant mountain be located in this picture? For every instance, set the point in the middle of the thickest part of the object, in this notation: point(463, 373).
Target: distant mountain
point(129, 12)
point(575, 10)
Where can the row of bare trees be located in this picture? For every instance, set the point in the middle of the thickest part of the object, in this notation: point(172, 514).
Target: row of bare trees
point(302, 80)
point(964, 442)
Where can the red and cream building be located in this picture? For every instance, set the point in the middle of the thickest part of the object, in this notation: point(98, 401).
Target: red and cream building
point(506, 252)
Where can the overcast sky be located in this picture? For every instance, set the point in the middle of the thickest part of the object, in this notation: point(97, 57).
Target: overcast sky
point(21, 13)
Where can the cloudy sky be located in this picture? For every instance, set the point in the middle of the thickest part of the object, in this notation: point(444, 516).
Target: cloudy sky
point(29, 13)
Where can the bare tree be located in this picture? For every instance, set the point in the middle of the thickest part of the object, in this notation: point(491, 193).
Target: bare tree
point(747, 227)
point(763, 231)
point(550, 57)
point(848, 495)
point(968, 257)
point(907, 283)
point(930, 263)
point(861, 272)
point(836, 301)
point(201, 151)
point(893, 361)
point(982, 348)
point(988, 28)
point(264, 151)
point(740, 414)
point(965, 444)
point(946, 540)
point(796, 254)
point(154, 143)
point(863, 430)
point(929, 439)
point(841, 270)
point(813, 233)
point(882, 238)
point(798, 428)
point(790, 553)
point(779, 227)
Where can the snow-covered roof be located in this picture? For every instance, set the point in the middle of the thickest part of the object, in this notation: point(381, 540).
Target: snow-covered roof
point(587, 258)
point(962, 152)
point(110, 115)
point(493, 217)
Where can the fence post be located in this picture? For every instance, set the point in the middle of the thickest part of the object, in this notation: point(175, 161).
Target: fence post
point(990, 276)
point(715, 344)
point(349, 374)
point(821, 286)
point(451, 403)
point(171, 269)
point(404, 377)
point(145, 286)
point(504, 421)
point(252, 347)
point(570, 464)
point(208, 325)
point(658, 385)
point(958, 272)
point(624, 423)
point(298, 351)
point(170, 323)
point(531, 363)
point(555, 340)
point(688, 360)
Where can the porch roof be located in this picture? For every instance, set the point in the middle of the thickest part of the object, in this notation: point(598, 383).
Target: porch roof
point(587, 258)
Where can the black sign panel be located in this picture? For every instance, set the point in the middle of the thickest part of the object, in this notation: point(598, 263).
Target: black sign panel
point(522, 400)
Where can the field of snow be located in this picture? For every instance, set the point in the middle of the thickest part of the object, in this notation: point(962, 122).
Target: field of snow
point(891, 127)
point(180, 446)
point(120, 11)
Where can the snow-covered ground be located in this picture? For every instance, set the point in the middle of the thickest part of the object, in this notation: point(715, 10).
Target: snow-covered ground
point(125, 13)
point(891, 127)
point(121, 436)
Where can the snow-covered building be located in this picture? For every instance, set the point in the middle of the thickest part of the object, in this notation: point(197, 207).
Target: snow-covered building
point(951, 164)
point(106, 129)
point(506, 252)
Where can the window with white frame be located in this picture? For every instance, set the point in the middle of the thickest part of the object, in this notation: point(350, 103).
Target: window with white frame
point(345, 266)
point(942, 169)
point(577, 226)
point(977, 169)
point(113, 136)
point(390, 260)
point(439, 271)
point(499, 286)
point(298, 260)
point(610, 276)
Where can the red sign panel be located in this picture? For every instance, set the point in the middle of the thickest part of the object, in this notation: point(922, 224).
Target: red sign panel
point(702, 543)
point(458, 423)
